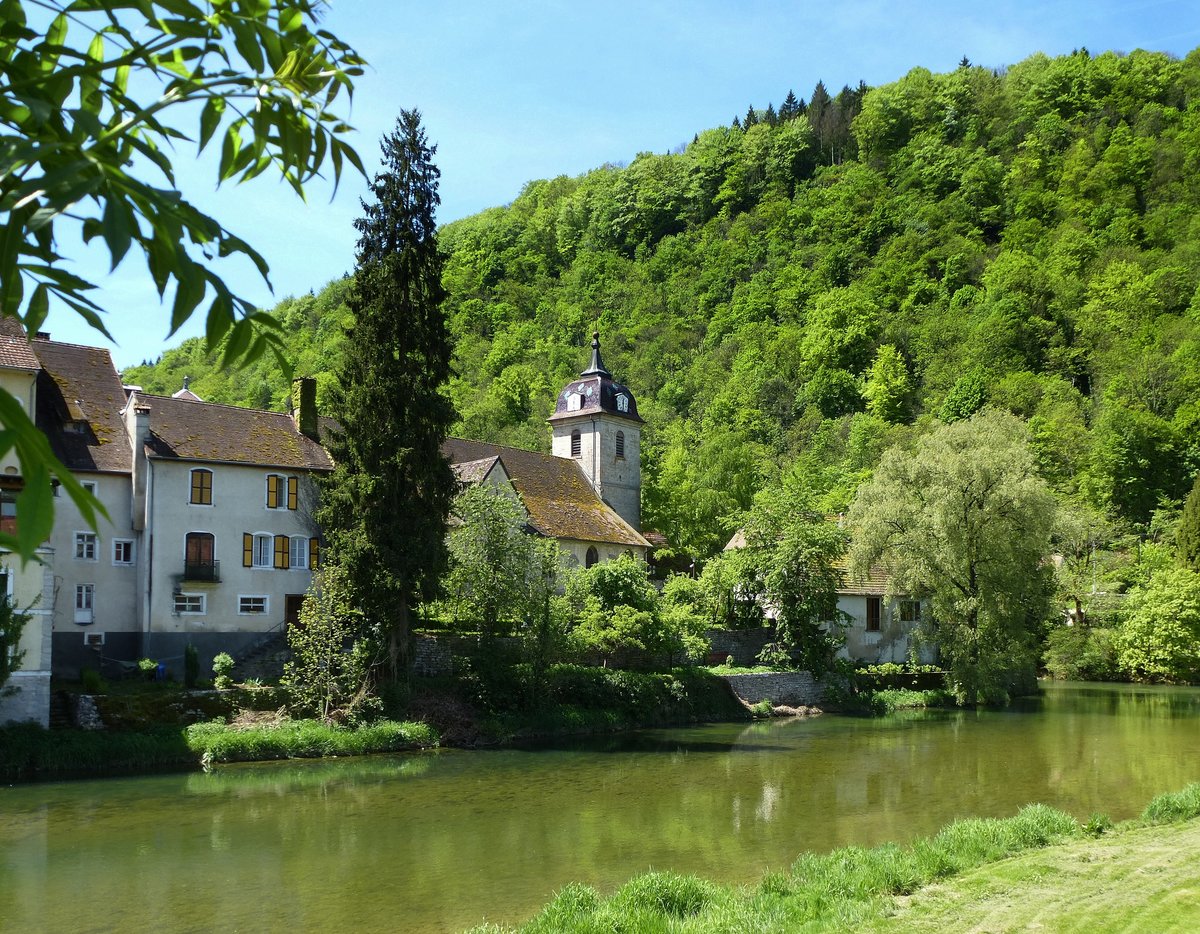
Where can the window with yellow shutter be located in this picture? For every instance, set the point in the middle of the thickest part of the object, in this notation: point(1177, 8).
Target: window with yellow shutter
point(273, 490)
point(293, 492)
point(282, 549)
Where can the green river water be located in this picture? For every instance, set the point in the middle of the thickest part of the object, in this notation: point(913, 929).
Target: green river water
point(440, 841)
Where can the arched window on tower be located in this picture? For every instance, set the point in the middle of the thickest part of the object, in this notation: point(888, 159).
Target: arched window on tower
point(591, 557)
point(621, 445)
point(576, 444)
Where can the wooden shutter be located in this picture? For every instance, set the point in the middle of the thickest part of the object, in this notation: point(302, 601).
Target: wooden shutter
point(247, 550)
point(293, 492)
point(282, 552)
point(272, 491)
point(314, 553)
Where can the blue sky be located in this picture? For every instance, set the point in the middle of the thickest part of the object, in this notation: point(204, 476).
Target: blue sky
point(514, 92)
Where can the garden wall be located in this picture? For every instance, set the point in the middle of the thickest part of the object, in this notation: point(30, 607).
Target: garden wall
point(781, 688)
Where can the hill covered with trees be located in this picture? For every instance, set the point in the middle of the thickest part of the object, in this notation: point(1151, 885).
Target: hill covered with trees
point(803, 289)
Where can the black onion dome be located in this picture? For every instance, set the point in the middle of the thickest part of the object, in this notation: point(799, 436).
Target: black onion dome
point(596, 391)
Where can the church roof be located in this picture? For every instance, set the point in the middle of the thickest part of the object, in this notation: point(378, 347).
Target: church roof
point(554, 490)
point(595, 391)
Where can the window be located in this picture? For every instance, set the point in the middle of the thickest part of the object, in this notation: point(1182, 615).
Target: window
point(191, 604)
point(874, 607)
point(576, 444)
point(574, 401)
point(85, 601)
point(591, 557)
point(622, 403)
point(89, 487)
point(252, 605)
point(85, 546)
point(298, 559)
point(257, 550)
point(314, 552)
point(8, 510)
point(201, 487)
point(910, 611)
point(282, 492)
point(621, 445)
point(122, 551)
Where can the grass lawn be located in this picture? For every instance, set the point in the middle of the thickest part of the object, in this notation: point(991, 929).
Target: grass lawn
point(1147, 879)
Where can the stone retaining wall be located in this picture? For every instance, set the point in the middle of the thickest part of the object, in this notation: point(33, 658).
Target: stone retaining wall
point(432, 657)
point(743, 644)
point(781, 688)
point(30, 702)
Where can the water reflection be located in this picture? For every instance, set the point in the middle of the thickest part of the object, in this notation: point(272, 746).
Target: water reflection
point(437, 841)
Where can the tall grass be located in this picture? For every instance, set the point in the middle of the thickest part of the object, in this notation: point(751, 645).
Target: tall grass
point(27, 751)
point(837, 889)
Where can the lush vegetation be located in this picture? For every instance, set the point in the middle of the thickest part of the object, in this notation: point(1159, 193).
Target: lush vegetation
point(848, 888)
point(798, 293)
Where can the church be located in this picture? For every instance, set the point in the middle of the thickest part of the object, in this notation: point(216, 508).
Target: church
point(587, 492)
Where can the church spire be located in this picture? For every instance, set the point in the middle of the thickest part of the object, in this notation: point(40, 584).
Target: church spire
point(597, 367)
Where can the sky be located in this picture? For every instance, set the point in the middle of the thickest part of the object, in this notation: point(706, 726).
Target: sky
point(510, 93)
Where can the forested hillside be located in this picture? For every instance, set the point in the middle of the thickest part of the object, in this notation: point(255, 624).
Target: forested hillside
point(816, 283)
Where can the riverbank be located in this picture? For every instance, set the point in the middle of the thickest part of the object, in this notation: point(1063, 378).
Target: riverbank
point(1040, 868)
point(29, 753)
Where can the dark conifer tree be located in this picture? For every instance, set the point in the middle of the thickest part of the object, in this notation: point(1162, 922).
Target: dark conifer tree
point(751, 117)
point(737, 123)
point(770, 118)
point(1188, 536)
point(965, 63)
point(790, 108)
point(384, 508)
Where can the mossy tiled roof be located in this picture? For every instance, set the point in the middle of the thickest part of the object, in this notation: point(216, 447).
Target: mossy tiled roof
point(15, 353)
point(560, 501)
point(79, 402)
point(205, 431)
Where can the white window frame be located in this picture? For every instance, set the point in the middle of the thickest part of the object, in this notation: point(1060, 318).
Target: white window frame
point(82, 542)
point(298, 559)
point(265, 542)
point(117, 543)
point(282, 503)
point(242, 604)
point(201, 597)
point(89, 486)
point(85, 604)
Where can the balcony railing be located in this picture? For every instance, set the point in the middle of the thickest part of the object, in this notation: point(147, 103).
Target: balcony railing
point(202, 571)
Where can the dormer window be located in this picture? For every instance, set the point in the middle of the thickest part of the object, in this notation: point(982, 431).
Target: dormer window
point(574, 401)
point(622, 403)
point(576, 444)
point(620, 445)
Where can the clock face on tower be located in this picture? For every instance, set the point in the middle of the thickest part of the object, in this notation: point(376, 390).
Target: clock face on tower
point(622, 403)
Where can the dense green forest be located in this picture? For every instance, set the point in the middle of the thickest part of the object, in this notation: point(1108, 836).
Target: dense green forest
point(803, 289)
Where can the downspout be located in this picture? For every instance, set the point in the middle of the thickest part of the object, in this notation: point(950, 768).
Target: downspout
point(596, 484)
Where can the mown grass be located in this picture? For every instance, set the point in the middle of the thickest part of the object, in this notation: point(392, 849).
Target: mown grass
point(842, 890)
point(30, 752)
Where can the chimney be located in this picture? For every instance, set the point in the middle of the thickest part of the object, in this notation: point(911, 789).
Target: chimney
point(304, 407)
point(137, 425)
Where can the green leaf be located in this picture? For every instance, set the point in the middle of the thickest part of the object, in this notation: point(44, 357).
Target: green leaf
point(39, 307)
point(210, 119)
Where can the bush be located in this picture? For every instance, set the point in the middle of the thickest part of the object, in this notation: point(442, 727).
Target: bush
point(148, 668)
point(92, 682)
point(191, 666)
point(222, 667)
point(1082, 653)
point(1160, 639)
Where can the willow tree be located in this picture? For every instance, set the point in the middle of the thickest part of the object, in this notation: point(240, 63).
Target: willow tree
point(385, 506)
point(964, 520)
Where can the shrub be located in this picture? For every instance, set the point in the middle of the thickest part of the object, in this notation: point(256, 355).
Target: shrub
point(1082, 653)
point(222, 666)
point(1160, 639)
point(191, 666)
point(92, 682)
point(148, 668)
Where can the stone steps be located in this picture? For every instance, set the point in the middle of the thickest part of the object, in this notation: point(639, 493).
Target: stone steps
point(265, 661)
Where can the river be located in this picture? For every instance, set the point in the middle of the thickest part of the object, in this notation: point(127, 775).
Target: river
point(443, 840)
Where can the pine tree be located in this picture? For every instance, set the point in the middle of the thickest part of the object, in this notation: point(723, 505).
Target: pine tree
point(737, 123)
point(790, 108)
point(751, 117)
point(384, 509)
point(1188, 536)
point(770, 118)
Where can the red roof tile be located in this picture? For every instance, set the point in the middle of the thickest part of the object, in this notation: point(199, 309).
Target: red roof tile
point(80, 399)
point(14, 346)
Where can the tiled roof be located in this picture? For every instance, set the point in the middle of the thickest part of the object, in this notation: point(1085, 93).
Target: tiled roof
point(205, 431)
point(474, 471)
point(556, 494)
point(79, 401)
point(14, 346)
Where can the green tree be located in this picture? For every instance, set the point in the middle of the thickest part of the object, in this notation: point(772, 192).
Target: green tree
point(964, 520)
point(1160, 638)
point(384, 508)
point(94, 94)
point(12, 624)
point(887, 387)
point(798, 553)
point(329, 674)
point(1187, 537)
point(497, 567)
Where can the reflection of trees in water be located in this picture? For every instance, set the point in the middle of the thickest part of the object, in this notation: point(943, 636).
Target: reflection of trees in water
point(511, 826)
